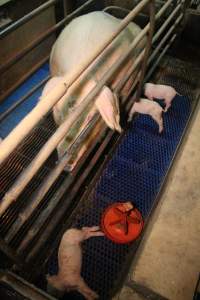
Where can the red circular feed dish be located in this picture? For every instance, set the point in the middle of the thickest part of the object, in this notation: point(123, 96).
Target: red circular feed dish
point(122, 222)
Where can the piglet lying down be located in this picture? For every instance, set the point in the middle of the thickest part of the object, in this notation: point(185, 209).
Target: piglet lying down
point(69, 264)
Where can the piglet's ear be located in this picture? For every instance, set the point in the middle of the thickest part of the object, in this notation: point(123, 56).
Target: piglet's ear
point(108, 106)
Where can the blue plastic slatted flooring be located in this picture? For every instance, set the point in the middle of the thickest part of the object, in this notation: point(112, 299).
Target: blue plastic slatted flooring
point(134, 173)
point(22, 110)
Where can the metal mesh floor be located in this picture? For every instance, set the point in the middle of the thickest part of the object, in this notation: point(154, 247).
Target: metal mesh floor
point(135, 173)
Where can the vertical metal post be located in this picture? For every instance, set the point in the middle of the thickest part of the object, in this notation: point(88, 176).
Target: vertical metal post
point(147, 49)
point(68, 7)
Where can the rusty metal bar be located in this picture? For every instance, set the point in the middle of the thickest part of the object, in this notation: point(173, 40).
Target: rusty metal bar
point(22, 99)
point(147, 49)
point(49, 181)
point(26, 18)
point(28, 123)
point(41, 38)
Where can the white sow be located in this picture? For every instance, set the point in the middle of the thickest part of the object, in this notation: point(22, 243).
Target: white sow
point(76, 44)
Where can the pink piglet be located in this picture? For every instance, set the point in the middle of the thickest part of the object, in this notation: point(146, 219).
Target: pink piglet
point(160, 91)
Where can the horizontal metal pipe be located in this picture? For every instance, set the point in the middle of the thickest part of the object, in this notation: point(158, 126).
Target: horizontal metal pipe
point(22, 99)
point(26, 18)
point(43, 107)
point(42, 37)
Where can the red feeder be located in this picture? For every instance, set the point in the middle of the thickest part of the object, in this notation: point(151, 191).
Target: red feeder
point(122, 222)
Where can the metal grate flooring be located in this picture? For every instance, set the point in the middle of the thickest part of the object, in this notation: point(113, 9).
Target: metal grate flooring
point(135, 173)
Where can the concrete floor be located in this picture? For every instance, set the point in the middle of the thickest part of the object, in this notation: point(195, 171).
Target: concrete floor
point(168, 262)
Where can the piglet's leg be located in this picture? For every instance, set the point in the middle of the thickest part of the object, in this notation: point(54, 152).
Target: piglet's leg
point(92, 231)
point(108, 106)
point(84, 289)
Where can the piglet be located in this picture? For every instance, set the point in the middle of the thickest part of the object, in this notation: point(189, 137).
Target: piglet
point(160, 91)
point(145, 106)
point(69, 264)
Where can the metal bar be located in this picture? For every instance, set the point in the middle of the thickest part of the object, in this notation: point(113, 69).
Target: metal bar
point(10, 253)
point(159, 58)
point(24, 77)
point(48, 182)
point(87, 191)
point(166, 23)
point(41, 38)
point(28, 123)
point(147, 49)
point(121, 9)
point(22, 99)
point(121, 84)
point(24, 288)
point(53, 203)
point(26, 18)
point(51, 144)
point(140, 57)
point(164, 39)
point(63, 209)
point(29, 172)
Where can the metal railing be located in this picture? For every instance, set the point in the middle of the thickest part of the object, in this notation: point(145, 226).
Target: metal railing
point(44, 106)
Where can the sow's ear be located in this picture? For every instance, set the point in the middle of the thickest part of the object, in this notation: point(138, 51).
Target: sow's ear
point(108, 105)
